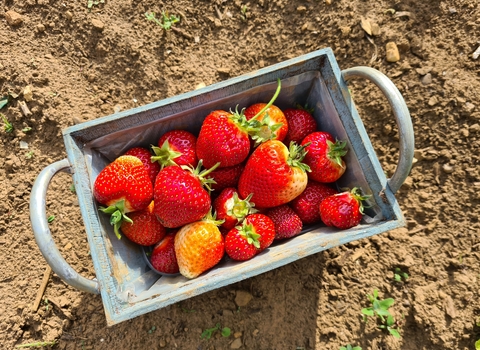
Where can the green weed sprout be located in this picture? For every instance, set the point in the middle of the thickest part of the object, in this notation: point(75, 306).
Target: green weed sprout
point(399, 275)
point(207, 333)
point(243, 12)
point(349, 347)
point(8, 126)
point(166, 22)
point(92, 3)
point(379, 310)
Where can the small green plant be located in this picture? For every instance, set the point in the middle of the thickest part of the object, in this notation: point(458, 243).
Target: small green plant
point(151, 330)
point(92, 3)
point(207, 333)
point(477, 345)
point(27, 129)
point(72, 188)
point(349, 347)
point(166, 22)
point(399, 275)
point(29, 155)
point(47, 304)
point(37, 344)
point(243, 12)
point(379, 310)
point(3, 101)
point(8, 126)
point(51, 218)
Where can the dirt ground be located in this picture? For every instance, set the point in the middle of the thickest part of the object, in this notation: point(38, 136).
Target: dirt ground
point(84, 64)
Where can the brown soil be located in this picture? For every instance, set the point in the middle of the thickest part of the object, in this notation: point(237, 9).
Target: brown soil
point(83, 64)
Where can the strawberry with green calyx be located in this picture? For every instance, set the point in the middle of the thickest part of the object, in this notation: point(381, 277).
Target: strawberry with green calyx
point(223, 138)
point(287, 222)
point(306, 204)
point(145, 155)
point(163, 258)
point(181, 194)
point(343, 210)
point(230, 208)
point(176, 147)
point(324, 156)
point(300, 123)
point(241, 242)
point(143, 228)
point(199, 246)
point(123, 186)
point(268, 120)
point(274, 174)
point(263, 226)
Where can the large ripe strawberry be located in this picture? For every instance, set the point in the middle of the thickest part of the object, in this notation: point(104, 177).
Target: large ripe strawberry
point(199, 246)
point(287, 222)
point(223, 138)
point(145, 156)
point(176, 147)
point(324, 156)
point(145, 229)
point(230, 208)
point(274, 174)
point(343, 210)
point(300, 124)
point(163, 258)
point(273, 124)
point(181, 195)
point(226, 177)
point(123, 186)
point(306, 204)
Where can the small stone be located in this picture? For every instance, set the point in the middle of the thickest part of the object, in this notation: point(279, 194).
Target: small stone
point(328, 2)
point(392, 52)
point(236, 344)
point(223, 70)
point(242, 298)
point(68, 246)
point(40, 28)
point(13, 18)
point(255, 332)
point(433, 101)
point(51, 25)
point(375, 29)
point(237, 335)
point(200, 85)
point(450, 309)
point(447, 168)
point(97, 24)
point(27, 93)
point(301, 9)
point(68, 15)
point(464, 132)
point(346, 30)
point(427, 79)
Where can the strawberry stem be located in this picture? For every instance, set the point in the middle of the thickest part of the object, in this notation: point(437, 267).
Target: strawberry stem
point(242, 207)
point(247, 232)
point(117, 216)
point(357, 194)
point(277, 92)
point(201, 174)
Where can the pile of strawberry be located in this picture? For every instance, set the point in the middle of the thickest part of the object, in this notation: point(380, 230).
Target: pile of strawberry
point(247, 179)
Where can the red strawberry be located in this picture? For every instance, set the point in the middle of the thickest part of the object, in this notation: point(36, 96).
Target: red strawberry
point(274, 174)
point(241, 242)
point(223, 139)
point(306, 204)
point(324, 156)
point(226, 177)
point(274, 125)
point(199, 246)
point(232, 209)
point(123, 186)
point(145, 229)
point(300, 124)
point(343, 210)
point(287, 222)
point(145, 156)
point(263, 226)
point(176, 147)
point(163, 258)
point(180, 196)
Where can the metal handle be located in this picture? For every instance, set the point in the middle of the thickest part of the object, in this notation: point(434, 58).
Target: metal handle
point(402, 117)
point(43, 236)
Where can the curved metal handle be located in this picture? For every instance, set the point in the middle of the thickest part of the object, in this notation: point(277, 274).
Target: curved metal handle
point(43, 236)
point(402, 116)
